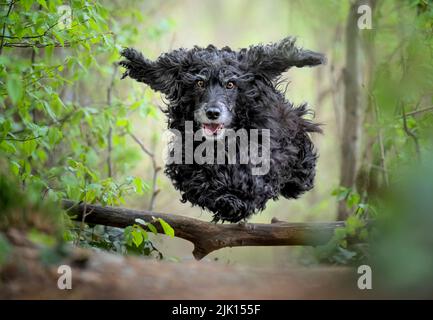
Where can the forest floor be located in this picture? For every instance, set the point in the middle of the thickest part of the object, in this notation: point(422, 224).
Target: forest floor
point(102, 275)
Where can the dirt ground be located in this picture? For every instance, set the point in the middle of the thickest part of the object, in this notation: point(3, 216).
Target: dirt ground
point(100, 275)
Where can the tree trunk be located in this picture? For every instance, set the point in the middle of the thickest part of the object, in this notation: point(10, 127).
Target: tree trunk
point(367, 177)
point(351, 119)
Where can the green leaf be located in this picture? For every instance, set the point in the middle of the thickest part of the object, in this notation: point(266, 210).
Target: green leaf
point(5, 126)
point(41, 155)
point(353, 199)
point(15, 89)
point(137, 237)
point(152, 228)
point(59, 38)
point(43, 3)
point(49, 111)
point(49, 51)
point(57, 103)
point(93, 192)
point(29, 146)
point(138, 185)
point(127, 233)
point(168, 230)
point(27, 4)
point(15, 168)
point(122, 122)
point(54, 136)
point(73, 192)
point(136, 105)
point(341, 193)
point(7, 147)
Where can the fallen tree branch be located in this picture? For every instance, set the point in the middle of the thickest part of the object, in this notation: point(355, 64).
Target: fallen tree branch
point(207, 236)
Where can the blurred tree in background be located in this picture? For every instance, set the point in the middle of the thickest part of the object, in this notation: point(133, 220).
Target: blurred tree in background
point(390, 128)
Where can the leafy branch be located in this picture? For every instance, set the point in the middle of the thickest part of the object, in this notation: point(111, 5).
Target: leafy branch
point(55, 44)
point(11, 4)
point(21, 140)
point(45, 33)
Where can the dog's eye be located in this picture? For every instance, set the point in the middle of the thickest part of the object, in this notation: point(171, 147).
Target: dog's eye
point(200, 83)
point(230, 85)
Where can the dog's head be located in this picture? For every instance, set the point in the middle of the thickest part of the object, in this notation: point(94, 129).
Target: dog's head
point(206, 83)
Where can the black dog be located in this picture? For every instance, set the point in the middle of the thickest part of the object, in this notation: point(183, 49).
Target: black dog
point(219, 89)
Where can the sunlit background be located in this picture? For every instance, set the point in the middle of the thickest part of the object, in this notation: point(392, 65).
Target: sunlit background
point(240, 24)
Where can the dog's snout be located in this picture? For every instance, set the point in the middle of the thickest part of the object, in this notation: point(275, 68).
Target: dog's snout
point(213, 112)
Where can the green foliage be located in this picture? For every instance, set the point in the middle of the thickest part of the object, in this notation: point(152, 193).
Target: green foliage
point(354, 202)
point(24, 211)
point(341, 249)
point(136, 236)
point(63, 124)
point(137, 241)
point(402, 253)
point(168, 230)
point(403, 83)
point(5, 250)
point(399, 118)
point(40, 221)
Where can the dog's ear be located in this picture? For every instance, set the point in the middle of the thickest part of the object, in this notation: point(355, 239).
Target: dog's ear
point(160, 74)
point(273, 59)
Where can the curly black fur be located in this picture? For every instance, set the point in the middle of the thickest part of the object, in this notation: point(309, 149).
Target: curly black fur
point(230, 191)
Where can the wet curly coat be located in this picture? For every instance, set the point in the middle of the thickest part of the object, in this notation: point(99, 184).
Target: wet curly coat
point(241, 86)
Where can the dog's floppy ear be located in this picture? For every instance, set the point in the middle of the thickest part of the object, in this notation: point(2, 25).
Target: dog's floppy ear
point(273, 59)
point(160, 75)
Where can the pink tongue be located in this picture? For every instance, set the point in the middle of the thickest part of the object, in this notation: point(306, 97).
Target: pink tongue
point(212, 127)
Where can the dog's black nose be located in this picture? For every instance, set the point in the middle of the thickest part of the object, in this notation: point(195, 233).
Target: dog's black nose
point(213, 113)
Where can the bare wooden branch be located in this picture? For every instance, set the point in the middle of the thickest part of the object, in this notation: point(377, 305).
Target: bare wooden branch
point(21, 140)
point(411, 134)
point(110, 130)
point(420, 111)
point(11, 4)
point(156, 168)
point(381, 144)
point(208, 237)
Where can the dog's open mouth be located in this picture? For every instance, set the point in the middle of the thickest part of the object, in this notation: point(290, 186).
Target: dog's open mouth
point(213, 129)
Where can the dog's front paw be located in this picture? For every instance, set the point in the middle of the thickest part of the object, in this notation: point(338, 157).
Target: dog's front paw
point(231, 208)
